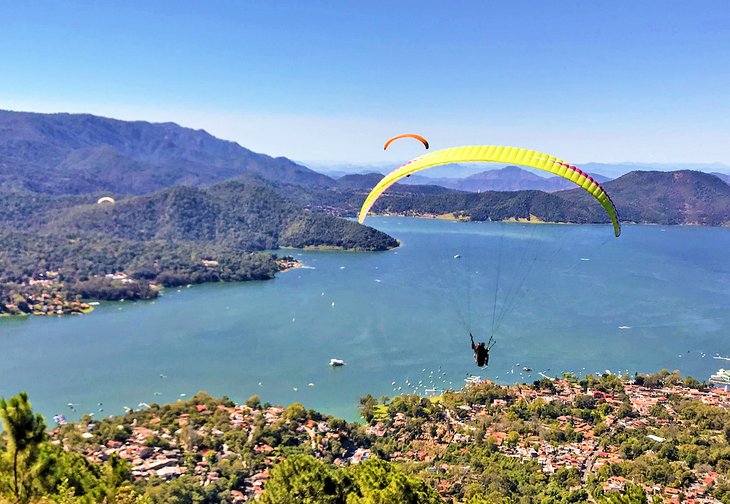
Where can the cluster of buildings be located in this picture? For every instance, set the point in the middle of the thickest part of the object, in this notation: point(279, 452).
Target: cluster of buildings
point(146, 460)
point(587, 454)
point(288, 263)
point(39, 297)
point(153, 451)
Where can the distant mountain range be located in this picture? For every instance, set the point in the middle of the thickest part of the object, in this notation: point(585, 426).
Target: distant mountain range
point(615, 170)
point(67, 154)
point(509, 178)
point(461, 171)
point(722, 176)
point(680, 197)
point(81, 153)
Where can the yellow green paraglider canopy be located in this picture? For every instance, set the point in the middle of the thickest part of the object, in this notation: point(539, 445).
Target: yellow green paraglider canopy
point(495, 154)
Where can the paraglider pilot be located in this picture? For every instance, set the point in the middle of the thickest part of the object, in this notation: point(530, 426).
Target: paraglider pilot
point(481, 351)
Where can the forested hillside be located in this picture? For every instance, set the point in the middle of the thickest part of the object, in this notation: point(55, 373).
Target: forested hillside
point(82, 153)
point(74, 154)
point(67, 246)
point(654, 197)
point(680, 197)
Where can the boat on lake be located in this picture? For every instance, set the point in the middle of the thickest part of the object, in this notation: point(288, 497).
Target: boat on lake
point(337, 362)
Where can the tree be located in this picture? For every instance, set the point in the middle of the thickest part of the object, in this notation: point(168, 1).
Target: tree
point(295, 412)
point(302, 478)
point(691, 382)
point(367, 407)
point(24, 431)
point(610, 383)
point(674, 378)
point(254, 402)
point(582, 401)
point(512, 438)
point(632, 495)
point(377, 481)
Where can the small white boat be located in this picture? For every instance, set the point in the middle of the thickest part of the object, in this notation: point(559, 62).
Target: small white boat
point(336, 362)
point(457, 256)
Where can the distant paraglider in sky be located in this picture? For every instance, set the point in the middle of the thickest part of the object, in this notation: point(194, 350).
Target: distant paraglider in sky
point(494, 154)
point(105, 199)
point(406, 135)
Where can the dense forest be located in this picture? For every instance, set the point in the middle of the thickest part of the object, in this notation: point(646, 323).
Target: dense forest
point(181, 235)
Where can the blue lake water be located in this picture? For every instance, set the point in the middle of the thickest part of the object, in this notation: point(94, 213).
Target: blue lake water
point(567, 298)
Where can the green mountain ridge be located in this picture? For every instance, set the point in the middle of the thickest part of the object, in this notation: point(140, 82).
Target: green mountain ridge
point(74, 246)
point(669, 198)
point(82, 153)
point(74, 154)
point(248, 216)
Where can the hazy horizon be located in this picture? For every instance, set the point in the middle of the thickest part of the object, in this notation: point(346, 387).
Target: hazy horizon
point(352, 167)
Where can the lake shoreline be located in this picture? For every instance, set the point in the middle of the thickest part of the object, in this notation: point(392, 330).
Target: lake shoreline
point(394, 314)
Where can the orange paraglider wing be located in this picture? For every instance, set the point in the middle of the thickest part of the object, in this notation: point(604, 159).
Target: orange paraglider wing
point(407, 135)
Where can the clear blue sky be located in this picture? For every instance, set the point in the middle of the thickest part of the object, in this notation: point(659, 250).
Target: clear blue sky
point(602, 81)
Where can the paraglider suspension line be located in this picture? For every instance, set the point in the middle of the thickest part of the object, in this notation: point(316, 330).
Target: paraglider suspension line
point(496, 283)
